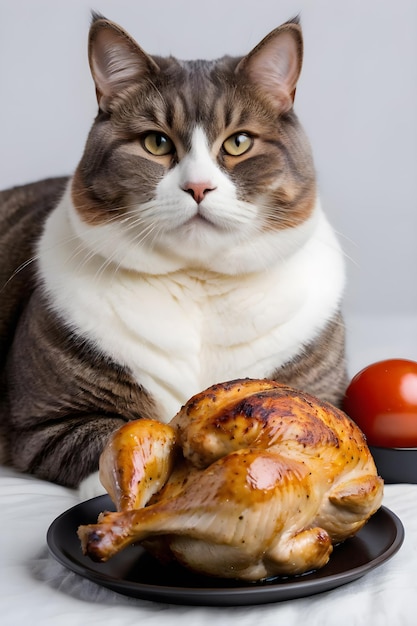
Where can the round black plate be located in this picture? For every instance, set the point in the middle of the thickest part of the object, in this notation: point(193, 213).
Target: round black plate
point(134, 572)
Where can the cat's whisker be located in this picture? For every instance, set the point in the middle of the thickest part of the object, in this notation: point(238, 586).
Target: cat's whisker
point(17, 271)
point(35, 258)
point(138, 239)
point(352, 243)
point(87, 254)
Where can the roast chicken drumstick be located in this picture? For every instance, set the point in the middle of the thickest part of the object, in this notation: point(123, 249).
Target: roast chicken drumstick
point(251, 479)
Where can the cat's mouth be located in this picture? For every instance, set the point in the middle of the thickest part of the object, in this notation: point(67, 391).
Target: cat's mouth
point(199, 220)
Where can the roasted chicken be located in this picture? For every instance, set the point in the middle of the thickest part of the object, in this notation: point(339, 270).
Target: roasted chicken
point(251, 479)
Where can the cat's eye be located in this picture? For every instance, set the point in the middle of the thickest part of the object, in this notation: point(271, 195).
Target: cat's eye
point(158, 144)
point(238, 144)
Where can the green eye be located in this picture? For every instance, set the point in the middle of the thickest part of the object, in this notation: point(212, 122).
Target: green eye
point(158, 144)
point(238, 144)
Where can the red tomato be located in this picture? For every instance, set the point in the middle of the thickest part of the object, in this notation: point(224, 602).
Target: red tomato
point(382, 400)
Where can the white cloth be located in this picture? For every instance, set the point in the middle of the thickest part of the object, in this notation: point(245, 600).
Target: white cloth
point(37, 590)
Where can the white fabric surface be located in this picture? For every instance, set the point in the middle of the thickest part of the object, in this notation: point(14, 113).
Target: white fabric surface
point(37, 590)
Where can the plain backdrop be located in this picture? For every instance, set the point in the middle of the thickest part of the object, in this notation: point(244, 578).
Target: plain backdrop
point(357, 98)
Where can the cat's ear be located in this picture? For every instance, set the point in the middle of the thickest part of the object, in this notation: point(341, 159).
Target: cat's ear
point(116, 60)
point(275, 64)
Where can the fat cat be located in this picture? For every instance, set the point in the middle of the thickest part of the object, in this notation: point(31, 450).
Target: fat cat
point(189, 247)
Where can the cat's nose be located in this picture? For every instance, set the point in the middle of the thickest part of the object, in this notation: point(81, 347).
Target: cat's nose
point(198, 190)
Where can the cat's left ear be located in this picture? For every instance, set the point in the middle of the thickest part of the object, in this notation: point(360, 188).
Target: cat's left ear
point(116, 60)
point(275, 64)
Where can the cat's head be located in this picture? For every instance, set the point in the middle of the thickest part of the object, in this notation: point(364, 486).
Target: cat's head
point(194, 162)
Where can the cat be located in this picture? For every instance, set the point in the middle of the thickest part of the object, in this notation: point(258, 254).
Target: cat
point(189, 247)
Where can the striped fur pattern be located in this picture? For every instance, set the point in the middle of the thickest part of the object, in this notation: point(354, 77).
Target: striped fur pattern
point(188, 248)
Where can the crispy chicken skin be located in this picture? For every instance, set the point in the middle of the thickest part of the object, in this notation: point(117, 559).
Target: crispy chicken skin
point(252, 479)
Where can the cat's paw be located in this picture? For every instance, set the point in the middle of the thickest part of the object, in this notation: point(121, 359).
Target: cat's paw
point(91, 487)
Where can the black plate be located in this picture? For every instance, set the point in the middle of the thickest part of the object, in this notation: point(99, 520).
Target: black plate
point(133, 572)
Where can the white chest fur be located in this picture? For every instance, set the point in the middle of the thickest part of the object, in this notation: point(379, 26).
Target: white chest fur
point(183, 330)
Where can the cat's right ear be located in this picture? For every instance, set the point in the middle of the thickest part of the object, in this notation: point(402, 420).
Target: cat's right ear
point(274, 66)
point(116, 60)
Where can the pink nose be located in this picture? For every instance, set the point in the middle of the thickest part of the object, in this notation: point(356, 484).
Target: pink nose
point(198, 190)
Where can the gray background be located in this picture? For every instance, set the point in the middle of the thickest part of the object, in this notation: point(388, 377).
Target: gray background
point(357, 98)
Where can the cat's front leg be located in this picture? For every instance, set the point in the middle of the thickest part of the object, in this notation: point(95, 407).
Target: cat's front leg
point(65, 399)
